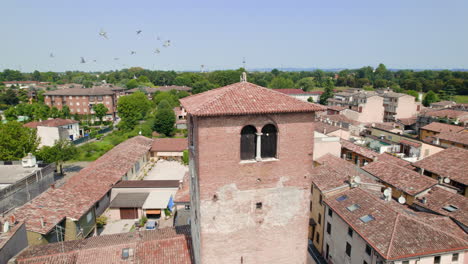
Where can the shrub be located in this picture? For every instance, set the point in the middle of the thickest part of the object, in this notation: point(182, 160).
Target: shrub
point(185, 157)
point(101, 221)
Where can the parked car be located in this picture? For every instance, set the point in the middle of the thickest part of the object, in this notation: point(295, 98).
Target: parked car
point(151, 224)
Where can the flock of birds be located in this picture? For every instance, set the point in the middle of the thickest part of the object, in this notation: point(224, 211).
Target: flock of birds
point(103, 34)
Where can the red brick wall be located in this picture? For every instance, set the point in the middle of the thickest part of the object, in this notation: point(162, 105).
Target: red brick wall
point(231, 228)
point(83, 103)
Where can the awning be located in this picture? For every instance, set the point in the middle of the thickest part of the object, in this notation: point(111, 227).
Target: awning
point(153, 211)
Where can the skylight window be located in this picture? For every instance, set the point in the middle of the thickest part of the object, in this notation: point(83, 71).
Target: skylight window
point(342, 198)
point(451, 208)
point(367, 218)
point(353, 207)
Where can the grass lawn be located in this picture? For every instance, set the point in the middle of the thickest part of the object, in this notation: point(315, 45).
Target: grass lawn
point(462, 99)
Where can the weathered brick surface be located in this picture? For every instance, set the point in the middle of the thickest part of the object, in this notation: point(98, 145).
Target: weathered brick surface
point(232, 230)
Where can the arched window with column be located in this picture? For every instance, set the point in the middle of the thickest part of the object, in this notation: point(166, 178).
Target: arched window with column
point(248, 143)
point(269, 141)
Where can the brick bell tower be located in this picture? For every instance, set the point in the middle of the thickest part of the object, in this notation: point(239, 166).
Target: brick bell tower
point(250, 161)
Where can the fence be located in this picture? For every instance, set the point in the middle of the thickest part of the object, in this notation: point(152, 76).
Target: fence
point(26, 189)
point(87, 138)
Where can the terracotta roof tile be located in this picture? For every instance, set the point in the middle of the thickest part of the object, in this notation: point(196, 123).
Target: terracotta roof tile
point(441, 127)
point(407, 121)
point(410, 143)
point(448, 113)
point(438, 198)
point(244, 98)
point(395, 160)
point(401, 178)
point(451, 162)
point(397, 232)
point(168, 245)
point(461, 137)
point(84, 189)
point(324, 128)
point(169, 144)
point(51, 123)
point(365, 152)
point(97, 90)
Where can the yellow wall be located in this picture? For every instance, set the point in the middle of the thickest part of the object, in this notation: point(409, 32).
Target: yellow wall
point(317, 209)
point(353, 157)
point(426, 133)
point(35, 238)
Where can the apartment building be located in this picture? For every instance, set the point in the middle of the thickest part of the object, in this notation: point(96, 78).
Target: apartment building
point(362, 106)
point(365, 227)
point(81, 100)
point(398, 105)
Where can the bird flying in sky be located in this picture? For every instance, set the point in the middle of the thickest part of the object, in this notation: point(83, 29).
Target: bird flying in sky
point(132, 52)
point(139, 31)
point(103, 34)
point(83, 60)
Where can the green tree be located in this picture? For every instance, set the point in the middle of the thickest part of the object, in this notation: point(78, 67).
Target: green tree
point(100, 111)
point(306, 84)
point(310, 100)
point(11, 114)
point(54, 112)
point(430, 98)
point(202, 86)
point(132, 84)
point(36, 76)
point(413, 93)
point(166, 96)
point(280, 83)
point(65, 112)
point(164, 121)
point(328, 92)
point(132, 108)
point(16, 141)
point(61, 151)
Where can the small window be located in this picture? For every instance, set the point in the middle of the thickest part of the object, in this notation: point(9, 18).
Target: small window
point(342, 198)
point(248, 144)
point(348, 249)
point(405, 262)
point(329, 228)
point(437, 260)
point(310, 206)
point(451, 208)
point(367, 218)
point(349, 156)
point(187, 207)
point(258, 205)
point(320, 199)
point(350, 232)
point(455, 257)
point(368, 250)
point(269, 141)
point(330, 212)
point(320, 219)
point(353, 207)
point(317, 238)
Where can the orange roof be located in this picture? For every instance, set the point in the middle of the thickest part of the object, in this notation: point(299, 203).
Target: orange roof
point(51, 123)
point(244, 98)
point(441, 127)
point(169, 144)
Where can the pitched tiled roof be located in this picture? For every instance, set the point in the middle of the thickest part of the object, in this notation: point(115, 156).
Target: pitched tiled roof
point(461, 137)
point(441, 127)
point(173, 87)
point(395, 160)
point(365, 152)
point(336, 107)
point(167, 245)
point(410, 143)
point(244, 98)
point(129, 200)
point(407, 121)
point(438, 198)
point(401, 178)
point(298, 91)
point(451, 162)
point(397, 232)
point(339, 118)
point(447, 113)
point(324, 128)
point(335, 172)
point(183, 194)
point(169, 144)
point(84, 189)
point(97, 90)
point(51, 123)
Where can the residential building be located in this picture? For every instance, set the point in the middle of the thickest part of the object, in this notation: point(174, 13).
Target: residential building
point(12, 239)
point(250, 154)
point(182, 202)
point(69, 212)
point(181, 117)
point(167, 245)
point(443, 104)
point(363, 227)
point(448, 166)
point(332, 130)
point(169, 148)
point(21, 181)
point(52, 130)
point(363, 106)
point(135, 199)
point(331, 175)
point(324, 144)
point(81, 100)
point(450, 139)
point(302, 95)
point(408, 125)
point(335, 110)
point(355, 128)
point(435, 128)
point(403, 181)
point(450, 116)
point(356, 154)
point(399, 105)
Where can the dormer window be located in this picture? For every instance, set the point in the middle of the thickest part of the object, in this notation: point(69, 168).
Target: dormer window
point(248, 143)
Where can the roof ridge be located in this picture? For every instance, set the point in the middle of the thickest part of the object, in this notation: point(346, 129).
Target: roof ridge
point(393, 233)
point(225, 90)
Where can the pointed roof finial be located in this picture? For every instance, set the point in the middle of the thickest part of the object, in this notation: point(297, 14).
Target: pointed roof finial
point(243, 77)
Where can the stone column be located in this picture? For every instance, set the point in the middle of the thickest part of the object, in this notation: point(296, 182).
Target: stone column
point(259, 146)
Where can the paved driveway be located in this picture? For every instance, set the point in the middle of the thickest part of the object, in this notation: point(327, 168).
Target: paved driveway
point(167, 170)
point(117, 226)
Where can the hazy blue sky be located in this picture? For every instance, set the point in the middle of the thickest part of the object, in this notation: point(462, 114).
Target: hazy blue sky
point(218, 34)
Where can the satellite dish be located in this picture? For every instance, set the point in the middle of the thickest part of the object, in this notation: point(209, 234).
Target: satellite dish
point(6, 227)
point(387, 192)
point(402, 200)
point(357, 179)
point(446, 180)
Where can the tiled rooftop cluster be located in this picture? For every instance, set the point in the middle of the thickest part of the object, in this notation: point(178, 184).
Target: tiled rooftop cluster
point(365, 152)
point(84, 189)
point(169, 144)
point(168, 245)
